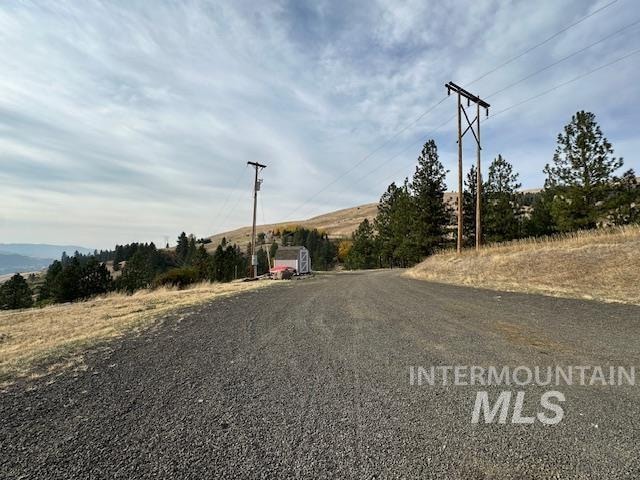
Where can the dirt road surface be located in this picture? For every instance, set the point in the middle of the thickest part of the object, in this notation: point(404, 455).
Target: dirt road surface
point(311, 379)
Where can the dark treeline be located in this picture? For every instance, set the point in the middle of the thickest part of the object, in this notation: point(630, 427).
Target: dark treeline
point(583, 190)
point(322, 250)
point(135, 266)
point(141, 265)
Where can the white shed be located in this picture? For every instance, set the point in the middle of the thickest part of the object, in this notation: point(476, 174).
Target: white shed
point(294, 257)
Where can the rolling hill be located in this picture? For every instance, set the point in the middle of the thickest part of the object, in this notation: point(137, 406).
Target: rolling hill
point(41, 250)
point(340, 223)
point(337, 224)
point(31, 257)
point(12, 263)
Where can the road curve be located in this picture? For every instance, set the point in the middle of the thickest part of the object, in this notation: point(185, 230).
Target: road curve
point(310, 379)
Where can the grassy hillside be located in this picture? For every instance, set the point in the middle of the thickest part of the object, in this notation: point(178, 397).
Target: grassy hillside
point(600, 264)
point(336, 224)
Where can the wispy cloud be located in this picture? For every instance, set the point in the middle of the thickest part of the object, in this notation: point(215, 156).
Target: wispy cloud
point(122, 122)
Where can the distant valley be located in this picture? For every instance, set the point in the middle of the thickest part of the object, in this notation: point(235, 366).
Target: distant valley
point(31, 257)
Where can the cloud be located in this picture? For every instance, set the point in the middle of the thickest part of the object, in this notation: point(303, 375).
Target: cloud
point(127, 122)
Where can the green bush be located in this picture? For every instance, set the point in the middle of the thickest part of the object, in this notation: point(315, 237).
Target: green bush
point(177, 277)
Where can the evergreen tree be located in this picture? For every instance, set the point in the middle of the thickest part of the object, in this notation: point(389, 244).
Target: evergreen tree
point(142, 268)
point(182, 249)
point(66, 283)
point(469, 198)
point(263, 263)
point(623, 205)
point(203, 263)
point(503, 202)
point(48, 287)
point(273, 249)
point(191, 251)
point(430, 211)
point(15, 293)
point(363, 252)
point(394, 223)
point(94, 279)
point(540, 221)
point(581, 173)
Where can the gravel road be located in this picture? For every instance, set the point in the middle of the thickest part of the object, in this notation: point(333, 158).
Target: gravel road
point(311, 379)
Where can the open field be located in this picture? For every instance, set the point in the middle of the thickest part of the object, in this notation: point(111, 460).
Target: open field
point(32, 336)
point(602, 265)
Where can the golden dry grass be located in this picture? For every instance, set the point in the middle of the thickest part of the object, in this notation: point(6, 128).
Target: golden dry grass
point(338, 224)
point(341, 223)
point(599, 264)
point(31, 336)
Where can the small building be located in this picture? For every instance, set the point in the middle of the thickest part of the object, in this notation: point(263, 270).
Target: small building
point(293, 257)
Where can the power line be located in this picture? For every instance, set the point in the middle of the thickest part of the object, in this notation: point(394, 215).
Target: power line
point(560, 85)
point(369, 155)
point(235, 205)
point(226, 200)
point(434, 106)
point(537, 45)
point(617, 32)
point(546, 92)
point(387, 160)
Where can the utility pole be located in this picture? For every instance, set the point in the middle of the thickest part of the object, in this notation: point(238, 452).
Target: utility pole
point(474, 127)
point(256, 187)
point(478, 187)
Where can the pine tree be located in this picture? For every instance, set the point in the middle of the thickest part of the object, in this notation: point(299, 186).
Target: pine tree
point(623, 204)
point(66, 285)
point(203, 263)
point(94, 279)
point(15, 293)
point(182, 249)
point(540, 221)
point(399, 245)
point(191, 250)
point(263, 263)
point(273, 249)
point(503, 202)
point(48, 287)
point(469, 198)
point(428, 187)
point(363, 252)
point(581, 173)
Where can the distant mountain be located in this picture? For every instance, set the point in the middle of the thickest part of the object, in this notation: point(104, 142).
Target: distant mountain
point(41, 250)
point(12, 263)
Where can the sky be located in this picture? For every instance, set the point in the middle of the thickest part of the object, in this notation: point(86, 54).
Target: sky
point(127, 121)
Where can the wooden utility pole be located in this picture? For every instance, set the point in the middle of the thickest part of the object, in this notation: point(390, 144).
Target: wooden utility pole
point(478, 187)
point(460, 173)
point(256, 187)
point(476, 134)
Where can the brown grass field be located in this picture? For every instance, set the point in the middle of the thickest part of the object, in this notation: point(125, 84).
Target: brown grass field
point(600, 264)
point(59, 333)
point(338, 224)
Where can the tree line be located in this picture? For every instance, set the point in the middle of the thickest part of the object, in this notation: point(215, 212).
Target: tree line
point(583, 190)
point(322, 250)
point(139, 265)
